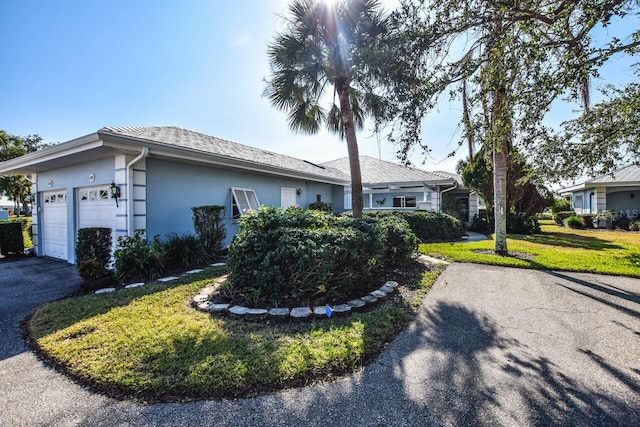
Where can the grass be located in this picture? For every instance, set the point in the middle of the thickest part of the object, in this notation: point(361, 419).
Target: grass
point(146, 342)
point(557, 248)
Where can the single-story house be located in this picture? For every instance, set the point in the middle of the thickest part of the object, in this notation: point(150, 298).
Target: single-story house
point(388, 185)
point(131, 178)
point(160, 173)
point(618, 192)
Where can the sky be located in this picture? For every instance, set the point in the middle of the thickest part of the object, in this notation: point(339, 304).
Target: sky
point(72, 67)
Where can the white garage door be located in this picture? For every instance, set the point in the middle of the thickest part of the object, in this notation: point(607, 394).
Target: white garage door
point(96, 208)
point(54, 220)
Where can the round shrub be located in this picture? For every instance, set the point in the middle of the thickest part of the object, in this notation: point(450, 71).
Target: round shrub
point(635, 226)
point(574, 222)
point(299, 256)
point(399, 242)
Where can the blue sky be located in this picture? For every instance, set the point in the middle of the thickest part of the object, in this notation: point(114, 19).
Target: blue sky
point(72, 67)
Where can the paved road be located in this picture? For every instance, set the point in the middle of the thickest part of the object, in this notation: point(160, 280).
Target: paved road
point(490, 346)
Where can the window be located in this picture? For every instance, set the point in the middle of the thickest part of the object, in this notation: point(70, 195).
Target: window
point(404, 202)
point(243, 200)
point(577, 202)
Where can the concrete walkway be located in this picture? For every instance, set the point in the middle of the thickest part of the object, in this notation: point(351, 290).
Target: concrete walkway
point(491, 346)
point(474, 237)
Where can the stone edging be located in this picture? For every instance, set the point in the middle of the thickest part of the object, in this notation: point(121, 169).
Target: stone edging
point(161, 280)
point(203, 303)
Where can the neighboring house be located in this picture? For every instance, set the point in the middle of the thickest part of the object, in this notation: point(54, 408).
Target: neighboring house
point(160, 173)
point(618, 191)
point(388, 185)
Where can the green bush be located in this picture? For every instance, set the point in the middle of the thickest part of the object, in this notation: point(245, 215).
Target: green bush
point(520, 223)
point(480, 224)
point(574, 222)
point(11, 239)
point(299, 256)
point(427, 225)
point(561, 205)
point(186, 251)
point(607, 217)
point(635, 226)
point(399, 242)
point(322, 206)
point(588, 220)
point(208, 222)
point(559, 217)
point(137, 259)
point(93, 256)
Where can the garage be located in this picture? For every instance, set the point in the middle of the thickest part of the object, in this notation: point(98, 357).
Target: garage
point(54, 224)
point(96, 208)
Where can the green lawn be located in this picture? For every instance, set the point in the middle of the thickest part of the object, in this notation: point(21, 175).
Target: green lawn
point(557, 248)
point(146, 342)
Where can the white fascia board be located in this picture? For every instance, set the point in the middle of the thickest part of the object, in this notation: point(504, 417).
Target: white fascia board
point(78, 145)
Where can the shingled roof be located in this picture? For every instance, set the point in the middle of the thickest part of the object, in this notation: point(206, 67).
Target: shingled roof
point(629, 174)
point(375, 171)
point(199, 142)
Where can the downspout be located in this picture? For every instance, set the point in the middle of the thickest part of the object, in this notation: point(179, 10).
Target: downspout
point(455, 185)
point(129, 171)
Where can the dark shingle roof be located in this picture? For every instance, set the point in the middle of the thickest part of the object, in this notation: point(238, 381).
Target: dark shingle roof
point(195, 141)
point(375, 171)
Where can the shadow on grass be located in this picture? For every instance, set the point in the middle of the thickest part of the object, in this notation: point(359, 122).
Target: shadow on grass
point(567, 240)
point(452, 366)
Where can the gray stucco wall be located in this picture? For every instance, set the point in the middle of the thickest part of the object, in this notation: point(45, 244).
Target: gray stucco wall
point(174, 188)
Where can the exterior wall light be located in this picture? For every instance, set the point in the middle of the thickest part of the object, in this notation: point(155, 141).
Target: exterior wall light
point(298, 191)
point(115, 192)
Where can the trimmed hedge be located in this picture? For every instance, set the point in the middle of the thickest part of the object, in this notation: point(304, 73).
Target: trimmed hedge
point(11, 239)
point(427, 225)
point(93, 252)
point(305, 256)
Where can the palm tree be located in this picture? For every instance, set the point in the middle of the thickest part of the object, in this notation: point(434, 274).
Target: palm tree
point(329, 43)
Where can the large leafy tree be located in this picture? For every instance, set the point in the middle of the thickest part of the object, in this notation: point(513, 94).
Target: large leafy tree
point(605, 136)
point(506, 61)
point(17, 187)
point(329, 45)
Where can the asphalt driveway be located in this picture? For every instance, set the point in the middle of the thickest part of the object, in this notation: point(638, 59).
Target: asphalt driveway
point(490, 346)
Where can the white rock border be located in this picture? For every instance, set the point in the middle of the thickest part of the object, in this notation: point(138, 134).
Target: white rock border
point(161, 280)
point(202, 302)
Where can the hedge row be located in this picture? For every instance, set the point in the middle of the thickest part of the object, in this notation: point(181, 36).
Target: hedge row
point(429, 226)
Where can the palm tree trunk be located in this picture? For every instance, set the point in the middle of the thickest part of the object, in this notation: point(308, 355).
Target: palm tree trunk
point(357, 198)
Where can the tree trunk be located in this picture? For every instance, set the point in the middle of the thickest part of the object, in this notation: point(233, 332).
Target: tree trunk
point(357, 198)
point(500, 199)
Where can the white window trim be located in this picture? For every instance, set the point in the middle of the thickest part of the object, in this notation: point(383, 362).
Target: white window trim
point(244, 194)
point(403, 201)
